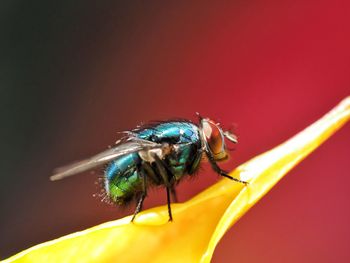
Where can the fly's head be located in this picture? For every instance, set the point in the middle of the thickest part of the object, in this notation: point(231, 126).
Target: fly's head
point(213, 138)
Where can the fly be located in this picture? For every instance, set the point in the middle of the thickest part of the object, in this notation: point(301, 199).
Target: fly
point(158, 154)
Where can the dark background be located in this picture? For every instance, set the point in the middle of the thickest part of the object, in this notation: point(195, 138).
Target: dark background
point(73, 73)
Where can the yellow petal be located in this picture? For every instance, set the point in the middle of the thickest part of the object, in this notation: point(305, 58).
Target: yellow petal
point(198, 223)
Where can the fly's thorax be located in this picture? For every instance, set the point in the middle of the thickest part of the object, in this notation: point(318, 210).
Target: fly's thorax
point(173, 132)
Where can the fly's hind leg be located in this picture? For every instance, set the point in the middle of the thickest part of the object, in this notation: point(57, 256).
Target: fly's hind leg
point(143, 194)
point(221, 172)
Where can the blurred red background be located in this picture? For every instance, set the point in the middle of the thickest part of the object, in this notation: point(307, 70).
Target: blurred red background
point(75, 74)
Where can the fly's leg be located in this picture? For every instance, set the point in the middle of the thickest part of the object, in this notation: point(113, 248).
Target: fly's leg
point(150, 173)
point(163, 173)
point(168, 201)
point(143, 194)
point(221, 172)
point(173, 194)
point(162, 170)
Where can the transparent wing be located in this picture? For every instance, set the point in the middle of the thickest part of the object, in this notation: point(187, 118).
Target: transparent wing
point(132, 146)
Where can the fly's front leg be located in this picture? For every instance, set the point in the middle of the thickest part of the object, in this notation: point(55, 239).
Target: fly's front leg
point(221, 172)
point(143, 193)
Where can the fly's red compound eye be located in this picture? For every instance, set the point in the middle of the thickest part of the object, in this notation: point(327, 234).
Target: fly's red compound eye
point(214, 138)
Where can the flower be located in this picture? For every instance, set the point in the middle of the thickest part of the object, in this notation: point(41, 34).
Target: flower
point(199, 223)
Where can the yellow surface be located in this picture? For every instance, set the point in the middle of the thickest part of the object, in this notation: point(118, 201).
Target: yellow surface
point(198, 223)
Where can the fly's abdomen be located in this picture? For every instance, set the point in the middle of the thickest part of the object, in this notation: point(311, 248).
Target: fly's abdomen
point(122, 180)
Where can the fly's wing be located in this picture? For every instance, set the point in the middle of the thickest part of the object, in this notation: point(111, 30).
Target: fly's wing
point(134, 145)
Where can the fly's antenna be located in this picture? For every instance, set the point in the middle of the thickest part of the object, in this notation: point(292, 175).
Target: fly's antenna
point(231, 137)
